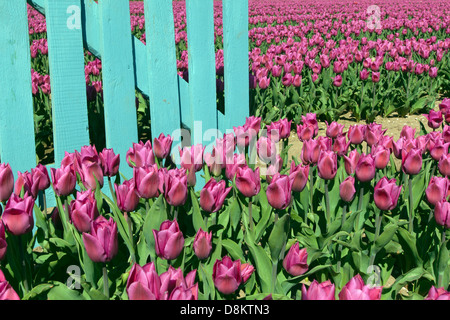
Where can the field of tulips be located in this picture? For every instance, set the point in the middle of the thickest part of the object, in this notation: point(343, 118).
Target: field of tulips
point(329, 58)
point(344, 220)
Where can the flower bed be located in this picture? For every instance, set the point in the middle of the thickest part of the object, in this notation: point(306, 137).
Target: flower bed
point(341, 221)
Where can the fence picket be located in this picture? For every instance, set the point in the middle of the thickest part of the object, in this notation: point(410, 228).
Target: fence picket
point(118, 79)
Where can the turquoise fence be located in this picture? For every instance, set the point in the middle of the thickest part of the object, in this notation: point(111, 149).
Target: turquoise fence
point(127, 64)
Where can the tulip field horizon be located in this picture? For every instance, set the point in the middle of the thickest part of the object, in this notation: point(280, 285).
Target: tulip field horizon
point(315, 195)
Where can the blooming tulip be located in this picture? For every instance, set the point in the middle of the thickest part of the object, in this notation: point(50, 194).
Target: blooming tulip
point(6, 290)
point(434, 119)
point(386, 194)
point(327, 165)
point(437, 189)
point(40, 174)
point(365, 168)
point(101, 242)
point(18, 214)
point(227, 275)
point(162, 146)
point(319, 291)
point(248, 182)
point(213, 195)
point(127, 197)
point(64, 180)
point(6, 182)
point(140, 155)
point(437, 294)
point(146, 180)
point(356, 133)
point(444, 165)
point(192, 157)
point(347, 189)
point(175, 187)
point(110, 162)
point(295, 261)
point(299, 176)
point(355, 289)
point(442, 213)
point(169, 240)
point(412, 161)
point(83, 210)
point(279, 191)
point(143, 283)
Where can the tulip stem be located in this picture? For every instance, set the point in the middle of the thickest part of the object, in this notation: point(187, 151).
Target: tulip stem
point(411, 205)
point(378, 219)
point(250, 218)
point(112, 189)
point(440, 274)
point(105, 281)
point(311, 190)
point(344, 214)
point(360, 202)
point(327, 203)
point(24, 266)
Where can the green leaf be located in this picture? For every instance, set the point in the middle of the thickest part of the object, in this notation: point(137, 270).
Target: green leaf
point(156, 215)
point(278, 236)
point(61, 292)
point(233, 249)
point(37, 290)
point(197, 218)
point(385, 237)
point(263, 265)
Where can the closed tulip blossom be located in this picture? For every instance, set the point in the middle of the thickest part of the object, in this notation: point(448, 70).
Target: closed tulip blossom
point(146, 180)
point(127, 197)
point(327, 165)
point(439, 148)
point(412, 161)
point(351, 161)
point(319, 291)
point(64, 180)
point(26, 183)
point(347, 189)
point(280, 129)
point(295, 261)
point(386, 193)
point(334, 129)
point(373, 133)
point(356, 289)
point(169, 240)
point(311, 120)
point(310, 152)
point(175, 286)
point(356, 133)
point(248, 182)
point(305, 132)
point(110, 162)
point(140, 155)
point(437, 189)
point(442, 213)
point(340, 145)
point(299, 176)
point(444, 165)
point(18, 214)
point(238, 161)
point(7, 292)
point(365, 168)
point(175, 187)
point(40, 174)
point(83, 210)
point(213, 195)
point(143, 283)
point(227, 275)
point(202, 244)
point(266, 149)
point(162, 146)
point(192, 157)
point(279, 191)
point(101, 242)
point(381, 155)
point(6, 181)
point(437, 294)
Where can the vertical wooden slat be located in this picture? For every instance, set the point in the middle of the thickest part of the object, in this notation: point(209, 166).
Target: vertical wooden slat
point(162, 69)
point(236, 69)
point(17, 141)
point(118, 78)
point(202, 68)
point(66, 59)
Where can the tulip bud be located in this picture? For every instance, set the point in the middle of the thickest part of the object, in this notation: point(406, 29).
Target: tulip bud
point(355, 289)
point(202, 244)
point(327, 165)
point(365, 168)
point(310, 152)
point(6, 182)
point(192, 157)
point(127, 197)
point(147, 181)
point(25, 181)
point(169, 240)
point(102, 242)
point(143, 283)
point(83, 210)
point(442, 213)
point(412, 161)
point(347, 189)
point(162, 146)
point(248, 182)
point(437, 189)
point(356, 133)
point(175, 187)
point(299, 176)
point(386, 194)
point(213, 195)
point(40, 174)
point(110, 162)
point(295, 261)
point(266, 149)
point(334, 129)
point(319, 291)
point(381, 156)
point(18, 214)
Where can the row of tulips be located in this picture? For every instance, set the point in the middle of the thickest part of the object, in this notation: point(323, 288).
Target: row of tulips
point(330, 223)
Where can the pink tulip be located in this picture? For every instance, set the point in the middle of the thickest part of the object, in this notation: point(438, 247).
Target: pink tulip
point(280, 129)
point(437, 189)
point(101, 242)
point(334, 129)
point(147, 181)
point(412, 161)
point(319, 291)
point(444, 165)
point(26, 183)
point(373, 133)
point(175, 187)
point(437, 294)
point(365, 168)
point(127, 197)
point(192, 157)
point(434, 119)
point(356, 133)
point(239, 161)
point(386, 193)
point(40, 174)
point(202, 244)
point(18, 214)
point(347, 189)
point(174, 286)
point(355, 289)
point(327, 165)
point(311, 120)
point(213, 195)
point(266, 149)
point(140, 155)
point(7, 292)
point(110, 162)
point(295, 261)
point(83, 210)
point(169, 240)
point(442, 213)
point(227, 275)
point(299, 176)
point(64, 180)
point(310, 152)
point(162, 146)
point(6, 182)
point(305, 132)
point(143, 283)
point(3, 243)
point(248, 182)
point(279, 192)
point(351, 161)
point(381, 156)
point(341, 145)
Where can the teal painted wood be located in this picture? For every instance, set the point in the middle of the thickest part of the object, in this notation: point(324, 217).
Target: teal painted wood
point(236, 66)
point(66, 60)
point(162, 70)
point(17, 142)
point(118, 79)
point(202, 69)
